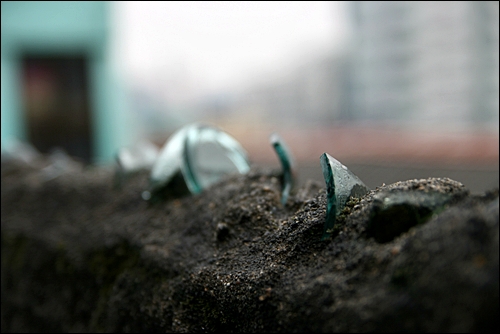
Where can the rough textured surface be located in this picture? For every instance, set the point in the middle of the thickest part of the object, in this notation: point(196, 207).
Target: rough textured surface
point(80, 256)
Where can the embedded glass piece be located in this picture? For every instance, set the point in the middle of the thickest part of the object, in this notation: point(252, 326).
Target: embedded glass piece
point(130, 160)
point(341, 184)
point(196, 157)
point(287, 165)
point(210, 154)
point(60, 163)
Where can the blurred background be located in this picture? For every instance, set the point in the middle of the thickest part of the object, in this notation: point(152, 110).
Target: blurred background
point(395, 90)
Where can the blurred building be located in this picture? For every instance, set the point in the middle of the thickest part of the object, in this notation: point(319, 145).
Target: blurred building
point(426, 63)
point(410, 64)
point(57, 84)
point(309, 93)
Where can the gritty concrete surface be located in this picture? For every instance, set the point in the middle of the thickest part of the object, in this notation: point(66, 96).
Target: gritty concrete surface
point(78, 255)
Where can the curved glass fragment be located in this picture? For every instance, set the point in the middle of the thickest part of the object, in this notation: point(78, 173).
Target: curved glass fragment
point(287, 165)
point(341, 184)
point(198, 155)
point(209, 154)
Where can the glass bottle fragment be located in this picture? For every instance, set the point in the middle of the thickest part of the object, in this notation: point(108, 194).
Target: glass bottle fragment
point(341, 184)
point(287, 165)
point(196, 156)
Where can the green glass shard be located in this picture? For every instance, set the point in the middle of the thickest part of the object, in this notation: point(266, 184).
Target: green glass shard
point(287, 165)
point(210, 154)
point(198, 155)
point(341, 184)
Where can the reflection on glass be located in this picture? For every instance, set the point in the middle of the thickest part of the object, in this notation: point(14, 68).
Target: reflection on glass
point(341, 184)
point(287, 164)
point(199, 155)
point(209, 154)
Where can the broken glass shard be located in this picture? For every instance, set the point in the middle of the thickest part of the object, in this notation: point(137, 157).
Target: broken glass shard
point(210, 154)
point(341, 184)
point(130, 160)
point(196, 157)
point(287, 165)
point(60, 163)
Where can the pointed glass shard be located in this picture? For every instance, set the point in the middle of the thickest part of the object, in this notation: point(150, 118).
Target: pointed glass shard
point(341, 184)
point(196, 157)
point(287, 165)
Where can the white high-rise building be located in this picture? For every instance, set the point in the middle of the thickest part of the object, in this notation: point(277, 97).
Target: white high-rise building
point(426, 63)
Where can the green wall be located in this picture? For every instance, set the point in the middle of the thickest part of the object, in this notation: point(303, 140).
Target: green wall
point(62, 28)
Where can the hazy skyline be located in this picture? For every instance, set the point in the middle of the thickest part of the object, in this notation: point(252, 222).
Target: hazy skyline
point(212, 46)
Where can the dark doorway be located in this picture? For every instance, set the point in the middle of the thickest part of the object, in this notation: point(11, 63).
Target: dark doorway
point(56, 103)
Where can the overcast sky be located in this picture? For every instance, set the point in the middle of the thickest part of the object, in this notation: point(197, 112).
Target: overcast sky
point(219, 44)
